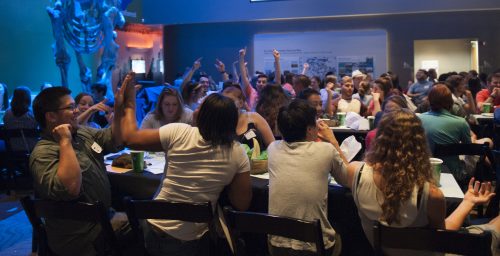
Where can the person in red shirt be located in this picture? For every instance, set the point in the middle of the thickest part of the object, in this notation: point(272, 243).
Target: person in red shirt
point(490, 95)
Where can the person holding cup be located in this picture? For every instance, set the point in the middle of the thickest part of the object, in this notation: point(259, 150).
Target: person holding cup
point(202, 161)
point(400, 156)
point(489, 99)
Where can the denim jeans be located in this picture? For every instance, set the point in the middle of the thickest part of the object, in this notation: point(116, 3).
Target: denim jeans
point(163, 244)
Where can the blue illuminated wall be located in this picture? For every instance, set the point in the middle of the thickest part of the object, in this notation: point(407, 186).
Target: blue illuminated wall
point(25, 47)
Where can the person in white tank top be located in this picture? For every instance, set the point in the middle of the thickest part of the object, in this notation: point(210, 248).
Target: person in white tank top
point(400, 155)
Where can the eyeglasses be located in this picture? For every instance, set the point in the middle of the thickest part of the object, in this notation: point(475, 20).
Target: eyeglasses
point(71, 107)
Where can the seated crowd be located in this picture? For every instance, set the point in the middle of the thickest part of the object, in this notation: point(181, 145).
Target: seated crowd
point(200, 129)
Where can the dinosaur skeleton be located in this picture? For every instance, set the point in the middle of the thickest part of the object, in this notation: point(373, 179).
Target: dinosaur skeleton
point(87, 26)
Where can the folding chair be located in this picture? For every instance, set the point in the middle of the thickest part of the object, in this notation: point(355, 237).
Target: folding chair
point(456, 149)
point(38, 210)
point(168, 210)
point(433, 240)
point(481, 173)
point(261, 223)
point(19, 144)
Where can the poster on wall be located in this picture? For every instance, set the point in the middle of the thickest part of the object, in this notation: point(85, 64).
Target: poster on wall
point(339, 52)
point(347, 64)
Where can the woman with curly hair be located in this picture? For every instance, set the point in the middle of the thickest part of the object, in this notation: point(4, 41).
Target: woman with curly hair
point(394, 185)
point(271, 99)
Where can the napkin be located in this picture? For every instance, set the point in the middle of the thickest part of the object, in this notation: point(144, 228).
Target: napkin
point(356, 122)
point(350, 147)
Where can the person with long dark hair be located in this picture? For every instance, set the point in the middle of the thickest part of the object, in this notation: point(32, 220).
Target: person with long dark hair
point(202, 161)
point(271, 99)
point(250, 124)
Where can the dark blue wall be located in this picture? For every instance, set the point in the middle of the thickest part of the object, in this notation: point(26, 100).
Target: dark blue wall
point(184, 43)
point(204, 11)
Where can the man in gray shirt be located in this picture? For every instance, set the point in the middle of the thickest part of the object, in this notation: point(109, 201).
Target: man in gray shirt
point(68, 165)
point(419, 90)
point(299, 162)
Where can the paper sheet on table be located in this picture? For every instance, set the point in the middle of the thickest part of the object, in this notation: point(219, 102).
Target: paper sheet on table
point(350, 147)
point(356, 122)
point(155, 164)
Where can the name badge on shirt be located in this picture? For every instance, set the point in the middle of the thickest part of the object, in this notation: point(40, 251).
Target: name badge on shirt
point(426, 87)
point(250, 134)
point(96, 148)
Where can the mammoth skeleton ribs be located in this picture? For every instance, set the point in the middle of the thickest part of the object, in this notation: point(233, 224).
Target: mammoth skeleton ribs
point(87, 26)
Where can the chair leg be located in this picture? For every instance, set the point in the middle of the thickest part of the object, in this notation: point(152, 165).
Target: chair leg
point(34, 242)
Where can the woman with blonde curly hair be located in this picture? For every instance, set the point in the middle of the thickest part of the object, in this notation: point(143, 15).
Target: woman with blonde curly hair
point(394, 185)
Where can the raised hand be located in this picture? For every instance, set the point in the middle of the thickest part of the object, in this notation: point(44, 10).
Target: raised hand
point(306, 66)
point(101, 106)
point(243, 52)
point(468, 93)
point(219, 65)
point(329, 86)
point(276, 54)
point(125, 94)
point(496, 92)
point(197, 63)
point(478, 193)
point(62, 132)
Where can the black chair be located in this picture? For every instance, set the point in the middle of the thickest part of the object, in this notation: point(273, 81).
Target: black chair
point(261, 223)
point(18, 144)
point(168, 210)
point(37, 210)
point(423, 239)
point(482, 150)
point(483, 172)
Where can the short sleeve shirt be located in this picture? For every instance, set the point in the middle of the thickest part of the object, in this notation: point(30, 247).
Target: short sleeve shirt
point(197, 172)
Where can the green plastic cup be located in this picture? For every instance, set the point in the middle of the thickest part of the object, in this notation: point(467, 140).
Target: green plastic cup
point(436, 164)
point(137, 160)
point(486, 107)
point(341, 118)
point(337, 90)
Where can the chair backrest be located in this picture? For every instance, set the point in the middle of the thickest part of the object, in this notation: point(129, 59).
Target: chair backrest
point(160, 209)
point(24, 135)
point(261, 223)
point(423, 239)
point(456, 149)
point(37, 210)
point(472, 149)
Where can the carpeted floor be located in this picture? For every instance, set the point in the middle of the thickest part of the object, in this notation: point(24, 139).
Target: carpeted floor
point(16, 231)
